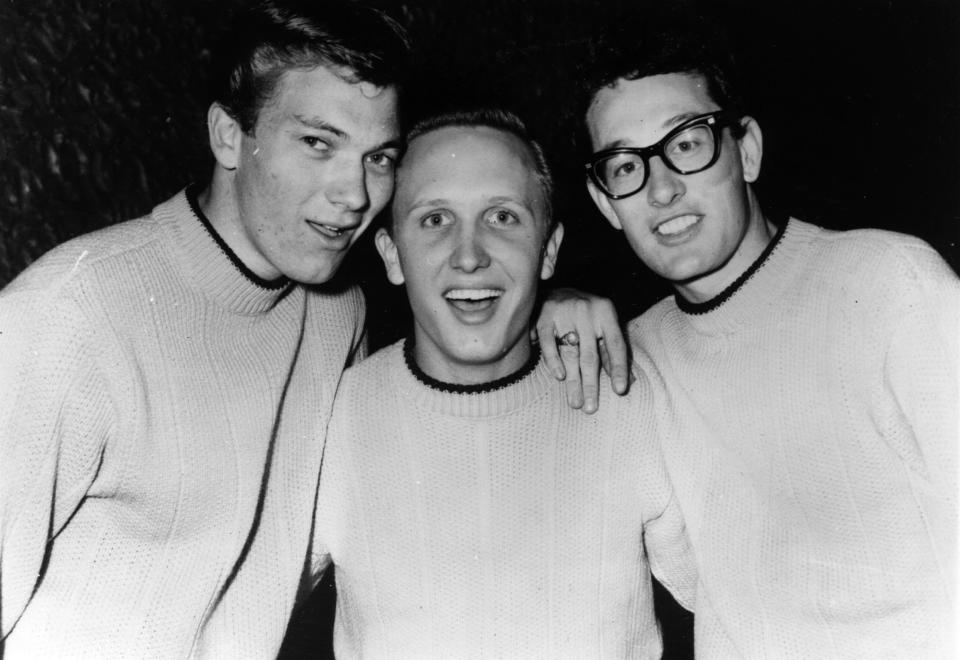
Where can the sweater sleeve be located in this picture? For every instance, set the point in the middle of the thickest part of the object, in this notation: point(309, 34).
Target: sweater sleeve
point(921, 365)
point(671, 555)
point(55, 416)
point(330, 491)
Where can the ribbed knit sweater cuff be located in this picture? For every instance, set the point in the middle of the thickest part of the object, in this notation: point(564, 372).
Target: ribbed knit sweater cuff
point(490, 402)
point(207, 262)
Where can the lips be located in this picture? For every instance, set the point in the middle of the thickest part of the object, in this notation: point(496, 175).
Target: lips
point(677, 226)
point(472, 300)
point(332, 232)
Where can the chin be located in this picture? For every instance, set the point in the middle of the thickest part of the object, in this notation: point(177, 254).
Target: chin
point(317, 276)
point(478, 352)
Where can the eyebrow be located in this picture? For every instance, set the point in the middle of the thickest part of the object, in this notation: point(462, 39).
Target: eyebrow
point(493, 200)
point(669, 125)
point(321, 125)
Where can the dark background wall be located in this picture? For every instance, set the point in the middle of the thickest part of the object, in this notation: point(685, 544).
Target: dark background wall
point(102, 110)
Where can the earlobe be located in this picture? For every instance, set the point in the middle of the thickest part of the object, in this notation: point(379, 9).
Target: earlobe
point(551, 251)
point(751, 149)
point(602, 202)
point(225, 136)
point(391, 259)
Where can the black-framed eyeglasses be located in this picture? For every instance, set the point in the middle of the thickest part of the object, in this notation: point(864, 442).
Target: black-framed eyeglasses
point(691, 147)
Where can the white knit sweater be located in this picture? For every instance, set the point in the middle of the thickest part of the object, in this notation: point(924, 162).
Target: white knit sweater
point(161, 427)
point(494, 524)
point(809, 424)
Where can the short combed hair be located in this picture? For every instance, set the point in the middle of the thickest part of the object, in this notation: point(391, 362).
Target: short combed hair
point(501, 120)
point(641, 46)
point(271, 37)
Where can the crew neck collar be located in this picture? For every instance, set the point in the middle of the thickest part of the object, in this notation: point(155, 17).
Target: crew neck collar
point(497, 397)
point(706, 306)
point(208, 261)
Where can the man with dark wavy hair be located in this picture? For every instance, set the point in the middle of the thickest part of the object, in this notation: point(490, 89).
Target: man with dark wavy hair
point(807, 378)
point(165, 383)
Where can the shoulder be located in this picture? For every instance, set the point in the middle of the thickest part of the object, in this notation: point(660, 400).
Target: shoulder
point(649, 325)
point(78, 277)
point(84, 257)
point(374, 371)
point(874, 251)
point(886, 267)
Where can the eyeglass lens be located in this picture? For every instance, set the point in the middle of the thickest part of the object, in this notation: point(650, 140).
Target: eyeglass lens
point(687, 151)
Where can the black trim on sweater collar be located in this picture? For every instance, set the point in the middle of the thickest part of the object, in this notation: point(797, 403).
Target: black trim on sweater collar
point(479, 388)
point(725, 295)
point(192, 193)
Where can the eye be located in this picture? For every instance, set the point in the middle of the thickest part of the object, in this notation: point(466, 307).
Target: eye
point(383, 161)
point(502, 217)
point(690, 141)
point(435, 219)
point(685, 146)
point(316, 143)
point(622, 166)
point(625, 169)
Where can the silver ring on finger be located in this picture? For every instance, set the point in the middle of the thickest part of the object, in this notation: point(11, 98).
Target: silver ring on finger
point(569, 339)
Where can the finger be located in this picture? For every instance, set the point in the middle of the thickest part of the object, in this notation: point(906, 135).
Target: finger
point(604, 357)
point(590, 375)
point(617, 360)
point(571, 360)
point(548, 348)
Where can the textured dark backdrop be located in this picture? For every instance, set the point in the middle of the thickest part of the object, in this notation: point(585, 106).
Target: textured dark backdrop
point(102, 106)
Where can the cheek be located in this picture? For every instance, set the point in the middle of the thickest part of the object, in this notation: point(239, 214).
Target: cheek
point(380, 189)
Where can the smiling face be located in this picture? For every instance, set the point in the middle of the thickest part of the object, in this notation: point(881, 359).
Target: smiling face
point(470, 240)
point(316, 169)
point(699, 231)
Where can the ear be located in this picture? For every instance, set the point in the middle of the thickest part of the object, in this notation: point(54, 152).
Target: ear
point(751, 149)
point(226, 136)
point(550, 252)
point(602, 202)
point(391, 259)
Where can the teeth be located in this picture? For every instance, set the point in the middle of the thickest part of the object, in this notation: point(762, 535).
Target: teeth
point(472, 294)
point(677, 225)
point(327, 229)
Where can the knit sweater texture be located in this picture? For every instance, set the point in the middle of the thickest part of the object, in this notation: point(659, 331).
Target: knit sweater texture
point(809, 425)
point(494, 524)
point(162, 416)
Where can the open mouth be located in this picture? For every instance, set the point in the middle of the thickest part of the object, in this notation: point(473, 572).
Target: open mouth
point(676, 226)
point(472, 300)
point(328, 230)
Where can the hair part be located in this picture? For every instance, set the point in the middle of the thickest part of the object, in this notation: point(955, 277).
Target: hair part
point(501, 120)
point(270, 37)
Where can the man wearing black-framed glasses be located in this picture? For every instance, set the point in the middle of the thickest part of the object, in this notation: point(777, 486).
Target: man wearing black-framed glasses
point(807, 379)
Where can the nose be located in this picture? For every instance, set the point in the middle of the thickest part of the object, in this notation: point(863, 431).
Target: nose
point(664, 186)
point(469, 254)
point(348, 189)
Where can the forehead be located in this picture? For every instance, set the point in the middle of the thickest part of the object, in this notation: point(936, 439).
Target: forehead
point(638, 112)
point(365, 112)
point(466, 163)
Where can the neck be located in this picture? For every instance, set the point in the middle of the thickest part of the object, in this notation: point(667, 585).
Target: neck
point(219, 203)
point(409, 350)
point(758, 233)
point(447, 366)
